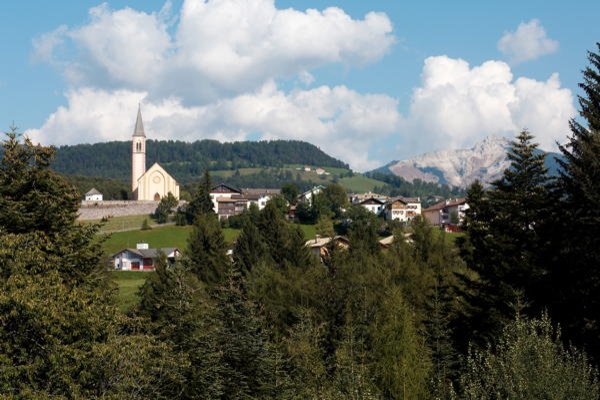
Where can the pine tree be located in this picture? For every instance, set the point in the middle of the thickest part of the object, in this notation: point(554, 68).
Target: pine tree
point(250, 249)
point(248, 359)
point(201, 202)
point(577, 274)
point(206, 252)
point(507, 233)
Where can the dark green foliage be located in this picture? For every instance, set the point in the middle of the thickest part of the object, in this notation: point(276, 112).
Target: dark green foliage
point(290, 193)
point(206, 252)
point(529, 362)
point(577, 272)
point(183, 317)
point(201, 202)
point(145, 225)
point(248, 360)
point(398, 186)
point(186, 161)
point(111, 189)
point(250, 248)
point(61, 334)
point(507, 231)
point(166, 204)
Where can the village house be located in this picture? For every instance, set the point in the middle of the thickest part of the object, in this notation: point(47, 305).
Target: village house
point(229, 201)
point(448, 214)
point(93, 195)
point(402, 209)
point(373, 204)
point(306, 197)
point(142, 258)
point(319, 246)
point(260, 197)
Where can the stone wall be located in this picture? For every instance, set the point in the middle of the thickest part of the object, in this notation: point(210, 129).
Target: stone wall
point(90, 210)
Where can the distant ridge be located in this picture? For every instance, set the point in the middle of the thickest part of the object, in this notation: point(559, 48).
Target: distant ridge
point(187, 161)
point(485, 161)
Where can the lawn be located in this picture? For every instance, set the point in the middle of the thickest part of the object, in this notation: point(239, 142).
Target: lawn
point(127, 222)
point(128, 283)
point(310, 231)
point(167, 236)
point(360, 183)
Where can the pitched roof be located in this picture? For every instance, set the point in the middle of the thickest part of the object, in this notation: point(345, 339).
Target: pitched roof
point(404, 200)
point(446, 203)
point(148, 253)
point(323, 241)
point(139, 125)
point(228, 189)
point(372, 200)
point(92, 192)
point(255, 194)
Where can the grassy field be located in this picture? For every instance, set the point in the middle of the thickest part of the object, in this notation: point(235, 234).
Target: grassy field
point(122, 223)
point(168, 236)
point(360, 183)
point(128, 283)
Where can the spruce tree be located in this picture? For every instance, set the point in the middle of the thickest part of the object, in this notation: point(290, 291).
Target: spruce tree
point(250, 249)
point(201, 202)
point(206, 251)
point(507, 237)
point(577, 274)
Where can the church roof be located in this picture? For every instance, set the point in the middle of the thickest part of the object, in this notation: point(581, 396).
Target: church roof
point(139, 125)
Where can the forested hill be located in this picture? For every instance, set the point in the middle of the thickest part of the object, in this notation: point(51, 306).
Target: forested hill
point(186, 161)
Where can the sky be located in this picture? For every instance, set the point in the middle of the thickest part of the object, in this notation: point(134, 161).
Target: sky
point(367, 82)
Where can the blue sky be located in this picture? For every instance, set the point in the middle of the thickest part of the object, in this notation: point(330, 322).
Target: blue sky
point(366, 81)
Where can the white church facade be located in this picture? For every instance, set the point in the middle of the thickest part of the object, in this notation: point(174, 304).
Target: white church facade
point(152, 184)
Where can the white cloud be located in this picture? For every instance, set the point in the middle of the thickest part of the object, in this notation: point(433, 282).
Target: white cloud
point(528, 42)
point(457, 105)
point(340, 121)
point(217, 48)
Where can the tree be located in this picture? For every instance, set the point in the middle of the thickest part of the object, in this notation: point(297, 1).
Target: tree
point(166, 204)
point(336, 198)
point(507, 238)
point(201, 202)
point(577, 272)
point(145, 225)
point(529, 362)
point(324, 227)
point(290, 192)
point(61, 333)
point(250, 249)
point(206, 252)
point(248, 359)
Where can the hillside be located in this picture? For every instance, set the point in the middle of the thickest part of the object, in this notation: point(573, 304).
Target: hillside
point(187, 161)
point(485, 161)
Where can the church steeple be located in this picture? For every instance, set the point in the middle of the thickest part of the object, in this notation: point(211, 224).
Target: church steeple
point(138, 153)
point(139, 125)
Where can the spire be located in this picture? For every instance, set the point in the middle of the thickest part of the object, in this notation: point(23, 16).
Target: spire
point(139, 125)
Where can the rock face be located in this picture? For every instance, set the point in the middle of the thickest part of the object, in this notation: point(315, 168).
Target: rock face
point(485, 161)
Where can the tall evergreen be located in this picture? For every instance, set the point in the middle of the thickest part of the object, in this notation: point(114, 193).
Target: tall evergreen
point(578, 271)
point(206, 251)
point(201, 202)
point(507, 237)
point(61, 333)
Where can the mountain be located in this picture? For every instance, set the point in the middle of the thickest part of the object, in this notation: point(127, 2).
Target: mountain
point(187, 161)
point(485, 161)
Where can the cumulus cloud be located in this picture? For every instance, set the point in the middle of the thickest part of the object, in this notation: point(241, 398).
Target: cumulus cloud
point(528, 42)
point(216, 48)
point(457, 105)
point(341, 121)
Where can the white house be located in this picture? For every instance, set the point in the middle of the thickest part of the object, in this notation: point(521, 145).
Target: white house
point(142, 258)
point(307, 196)
point(223, 191)
point(402, 209)
point(373, 204)
point(93, 195)
point(260, 197)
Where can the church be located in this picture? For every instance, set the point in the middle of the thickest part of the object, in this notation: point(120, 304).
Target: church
point(152, 184)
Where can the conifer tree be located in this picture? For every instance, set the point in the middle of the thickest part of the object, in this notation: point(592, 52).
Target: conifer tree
point(248, 360)
point(201, 202)
point(577, 274)
point(206, 252)
point(250, 249)
point(507, 236)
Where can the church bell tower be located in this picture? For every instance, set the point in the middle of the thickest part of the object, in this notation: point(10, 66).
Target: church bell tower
point(138, 154)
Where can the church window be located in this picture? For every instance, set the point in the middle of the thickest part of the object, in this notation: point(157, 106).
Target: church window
point(157, 197)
